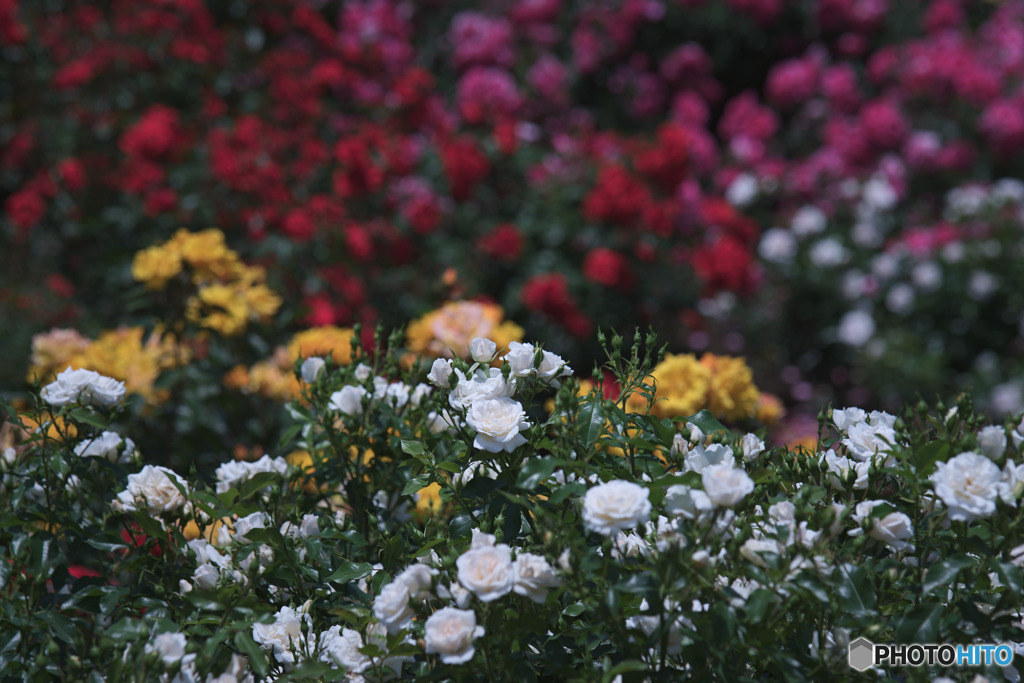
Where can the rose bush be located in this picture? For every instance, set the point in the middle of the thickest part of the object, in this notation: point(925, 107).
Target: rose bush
point(609, 542)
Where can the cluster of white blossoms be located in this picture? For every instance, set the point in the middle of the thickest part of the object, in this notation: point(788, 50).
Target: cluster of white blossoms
point(867, 437)
point(352, 399)
point(83, 386)
point(485, 397)
point(486, 571)
point(232, 473)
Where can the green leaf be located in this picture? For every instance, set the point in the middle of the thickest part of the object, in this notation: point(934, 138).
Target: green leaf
point(759, 602)
point(1011, 577)
point(413, 448)
point(943, 574)
point(535, 471)
point(107, 546)
point(856, 594)
point(461, 526)
point(89, 417)
point(416, 483)
point(127, 628)
point(5, 572)
point(628, 666)
point(591, 421)
point(450, 466)
point(574, 489)
point(707, 422)
point(350, 571)
point(256, 654)
point(62, 627)
point(574, 610)
point(929, 454)
point(920, 625)
point(290, 434)
point(257, 482)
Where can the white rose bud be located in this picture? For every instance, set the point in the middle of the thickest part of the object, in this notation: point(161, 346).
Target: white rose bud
point(450, 632)
point(311, 369)
point(439, 373)
point(482, 350)
point(615, 506)
point(751, 446)
point(348, 401)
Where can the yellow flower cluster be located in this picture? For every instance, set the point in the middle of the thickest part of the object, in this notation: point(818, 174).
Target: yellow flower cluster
point(685, 385)
point(449, 329)
point(275, 378)
point(229, 294)
point(123, 354)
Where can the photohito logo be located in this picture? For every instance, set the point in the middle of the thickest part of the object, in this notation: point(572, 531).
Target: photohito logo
point(864, 654)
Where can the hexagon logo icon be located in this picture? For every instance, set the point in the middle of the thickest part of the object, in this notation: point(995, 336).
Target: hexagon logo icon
point(862, 654)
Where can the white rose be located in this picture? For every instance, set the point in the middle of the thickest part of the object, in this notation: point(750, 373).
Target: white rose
point(992, 441)
point(257, 520)
point(170, 647)
point(615, 506)
point(482, 350)
point(362, 372)
point(753, 549)
point(497, 422)
point(311, 369)
point(450, 632)
point(1012, 484)
point(700, 457)
point(85, 386)
point(343, 647)
point(349, 400)
point(688, 503)
point(482, 385)
point(533, 576)
point(520, 359)
point(894, 528)
point(726, 485)
point(751, 447)
point(418, 577)
point(968, 485)
point(107, 446)
point(552, 367)
point(284, 636)
point(866, 442)
point(420, 392)
point(440, 372)
point(487, 571)
point(392, 606)
point(847, 417)
point(154, 488)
